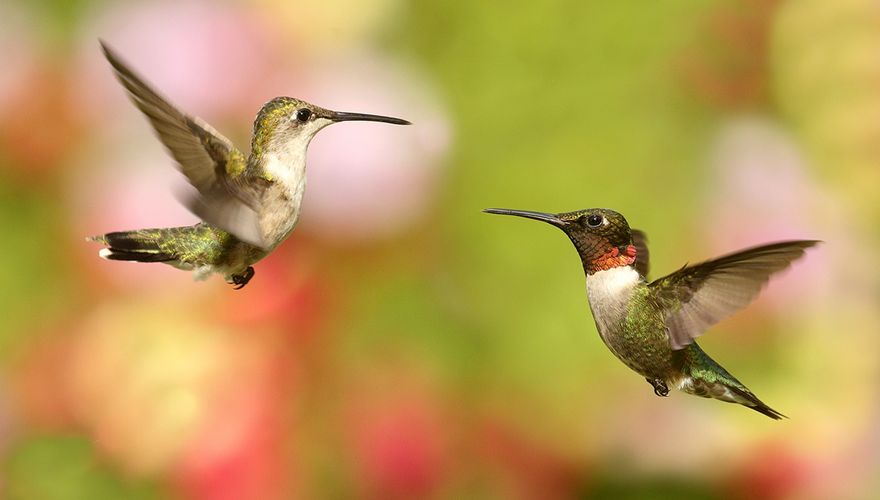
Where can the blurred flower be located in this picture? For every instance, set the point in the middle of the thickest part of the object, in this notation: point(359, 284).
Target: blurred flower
point(773, 472)
point(239, 456)
point(38, 125)
point(150, 386)
point(763, 192)
point(524, 467)
point(203, 56)
point(400, 440)
point(40, 379)
point(372, 180)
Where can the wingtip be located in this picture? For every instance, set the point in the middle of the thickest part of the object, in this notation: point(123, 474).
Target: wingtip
point(112, 57)
point(105, 48)
point(802, 243)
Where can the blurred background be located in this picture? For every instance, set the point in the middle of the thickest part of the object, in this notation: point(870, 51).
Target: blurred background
point(401, 344)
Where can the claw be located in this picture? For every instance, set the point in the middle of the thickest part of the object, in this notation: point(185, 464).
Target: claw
point(660, 387)
point(240, 280)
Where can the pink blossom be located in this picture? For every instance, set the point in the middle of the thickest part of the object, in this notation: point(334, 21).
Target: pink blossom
point(372, 180)
point(208, 58)
point(762, 192)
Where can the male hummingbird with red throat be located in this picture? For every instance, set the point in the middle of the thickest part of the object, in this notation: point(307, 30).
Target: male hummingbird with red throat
point(652, 326)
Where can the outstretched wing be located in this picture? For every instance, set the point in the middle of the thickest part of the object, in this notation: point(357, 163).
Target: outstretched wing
point(201, 152)
point(208, 160)
point(643, 257)
point(696, 297)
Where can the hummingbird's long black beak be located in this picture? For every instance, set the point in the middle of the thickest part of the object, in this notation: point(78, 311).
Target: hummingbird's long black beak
point(339, 116)
point(541, 216)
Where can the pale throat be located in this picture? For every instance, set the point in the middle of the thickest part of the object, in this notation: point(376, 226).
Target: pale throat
point(609, 294)
point(286, 163)
point(612, 285)
point(285, 158)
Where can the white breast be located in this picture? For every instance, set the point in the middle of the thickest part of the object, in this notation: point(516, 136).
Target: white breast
point(609, 292)
point(288, 171)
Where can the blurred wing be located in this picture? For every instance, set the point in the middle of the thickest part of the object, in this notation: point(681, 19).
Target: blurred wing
point(643, 257)
point(696, 297)
point(208, 160)
point(230, 214)
point(202, 153)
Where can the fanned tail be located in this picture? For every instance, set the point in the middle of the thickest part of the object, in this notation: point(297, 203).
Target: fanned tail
point(704, 377)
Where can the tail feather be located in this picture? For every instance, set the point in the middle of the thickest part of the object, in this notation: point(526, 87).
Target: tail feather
point(756, 404)
point(704, 377)
point(137, 246)
point(112, 254)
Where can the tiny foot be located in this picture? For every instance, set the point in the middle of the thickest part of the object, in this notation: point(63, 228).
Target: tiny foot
point(660, 388)
point(240, 280)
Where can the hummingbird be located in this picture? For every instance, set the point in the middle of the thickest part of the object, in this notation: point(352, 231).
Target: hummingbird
point(652, 325)
point(247, 205)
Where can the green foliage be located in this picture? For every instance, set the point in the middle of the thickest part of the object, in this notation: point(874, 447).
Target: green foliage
point(644, 488)
point(66, 468)
point(32, 278)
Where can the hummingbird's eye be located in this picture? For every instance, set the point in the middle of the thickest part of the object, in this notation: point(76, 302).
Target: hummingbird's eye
point(594, 220)
point(303, 115)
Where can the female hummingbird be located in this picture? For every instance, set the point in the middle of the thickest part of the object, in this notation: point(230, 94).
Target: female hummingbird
point(248, 205)
point(651, 326)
